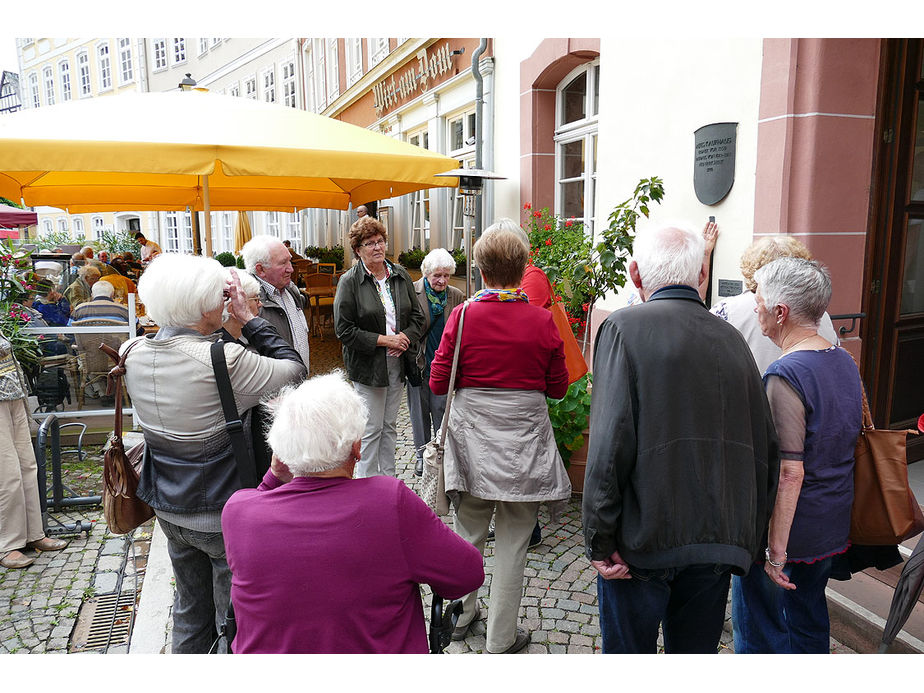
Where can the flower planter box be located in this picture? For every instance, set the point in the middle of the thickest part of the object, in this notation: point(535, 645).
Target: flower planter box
point(577, 466)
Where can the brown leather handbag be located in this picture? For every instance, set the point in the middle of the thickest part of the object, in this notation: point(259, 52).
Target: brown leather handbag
point(885, 510)
point(122, 508)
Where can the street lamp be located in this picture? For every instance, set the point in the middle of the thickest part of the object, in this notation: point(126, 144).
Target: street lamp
point(471, 184)
point(188, 83)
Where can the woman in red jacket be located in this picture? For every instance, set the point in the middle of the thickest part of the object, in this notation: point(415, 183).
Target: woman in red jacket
point(501, 456)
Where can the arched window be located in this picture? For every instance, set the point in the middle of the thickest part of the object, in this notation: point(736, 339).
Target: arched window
point(48, 78)
point(78, 228)
point(103, 66)
point(64, 75)
point(577, 106)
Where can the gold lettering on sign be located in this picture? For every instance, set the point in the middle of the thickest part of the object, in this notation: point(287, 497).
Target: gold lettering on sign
point(430, 65)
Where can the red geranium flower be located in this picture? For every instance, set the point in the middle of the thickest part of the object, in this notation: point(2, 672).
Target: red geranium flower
point(527, 206)
point(537, 214)
point(548, 227)
point(548, 241)
point(568, 223)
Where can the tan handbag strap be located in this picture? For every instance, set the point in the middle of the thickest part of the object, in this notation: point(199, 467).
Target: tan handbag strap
point(452, 376)
point(867, 414)
point(114, 382)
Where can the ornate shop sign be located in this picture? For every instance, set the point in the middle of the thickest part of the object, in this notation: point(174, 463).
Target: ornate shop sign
point(416, 78)
point(714, 161)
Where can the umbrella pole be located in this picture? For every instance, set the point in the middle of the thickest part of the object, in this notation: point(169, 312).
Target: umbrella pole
point(208, 216)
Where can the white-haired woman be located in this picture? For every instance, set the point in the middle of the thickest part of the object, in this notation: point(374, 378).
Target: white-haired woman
point(189, 469)
point(816, 398)
point(337, 561)
point(437, 300)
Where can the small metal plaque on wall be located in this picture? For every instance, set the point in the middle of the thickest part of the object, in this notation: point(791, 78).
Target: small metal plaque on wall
point(730, 287)
point(714, 161)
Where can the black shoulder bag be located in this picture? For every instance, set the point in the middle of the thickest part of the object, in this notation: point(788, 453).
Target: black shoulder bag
point(246, 467)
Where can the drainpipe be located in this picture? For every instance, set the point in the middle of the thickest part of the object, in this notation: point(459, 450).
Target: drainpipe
point(479, 128)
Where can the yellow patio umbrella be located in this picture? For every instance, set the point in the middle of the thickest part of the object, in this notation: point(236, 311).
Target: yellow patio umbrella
point(242, 232)
point(204, 151)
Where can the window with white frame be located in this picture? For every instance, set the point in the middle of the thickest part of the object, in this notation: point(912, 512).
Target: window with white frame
point(235, 89)
point(215, 42)
point(227, 229)
point(77, 228)
point(378, 50)
point(461, 134)
point(576, 125)
point(98, 228)
point(288, 84)
point(203, 46)
point(48, 78)
point(354, 60)
point(160, 53)
point(420, 201)
point(333, 71)
point(179, 232)
point(250, 87)
point(83, 69)
point(34, 90)
point(126, 69)
point(47, 227)
point(269, 85)
point(64, 76)
point(309, 85)
point(103, 66)
point(179, 51)
point(294, 229)
point(320, 76)
point(62, 225)
point(272, 223)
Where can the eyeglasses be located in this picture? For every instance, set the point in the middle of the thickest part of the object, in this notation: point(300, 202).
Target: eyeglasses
point(374, 244)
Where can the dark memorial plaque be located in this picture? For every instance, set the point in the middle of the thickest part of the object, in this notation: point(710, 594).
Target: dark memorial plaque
point(714, 161)
point(730, 287)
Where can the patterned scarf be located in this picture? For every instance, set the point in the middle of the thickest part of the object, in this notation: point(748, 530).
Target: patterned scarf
point(501, 295)
point(437, 300)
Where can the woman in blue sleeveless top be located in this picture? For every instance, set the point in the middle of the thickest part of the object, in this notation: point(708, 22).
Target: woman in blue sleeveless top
point(815, 395)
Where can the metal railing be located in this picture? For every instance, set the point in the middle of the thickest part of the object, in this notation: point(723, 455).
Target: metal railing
point(129, 330)
point(853, 317)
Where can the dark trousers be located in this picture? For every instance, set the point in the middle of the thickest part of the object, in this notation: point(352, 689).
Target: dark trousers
point(203, 587)
point(687, 603)
point(771, 620)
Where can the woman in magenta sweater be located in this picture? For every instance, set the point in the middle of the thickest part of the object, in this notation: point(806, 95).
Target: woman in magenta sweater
point(325, 563)
point(501, 456)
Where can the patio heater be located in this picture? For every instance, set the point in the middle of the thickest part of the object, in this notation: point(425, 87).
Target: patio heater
point(471, 183)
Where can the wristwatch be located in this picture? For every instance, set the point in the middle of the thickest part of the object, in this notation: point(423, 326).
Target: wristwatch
point(772, 562)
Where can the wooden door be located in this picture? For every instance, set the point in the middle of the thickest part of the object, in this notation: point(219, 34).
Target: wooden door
point(894, 334)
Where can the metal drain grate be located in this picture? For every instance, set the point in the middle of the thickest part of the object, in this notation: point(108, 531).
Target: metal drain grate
point(111, 622)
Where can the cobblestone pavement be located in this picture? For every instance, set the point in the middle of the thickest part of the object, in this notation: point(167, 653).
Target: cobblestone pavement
point(55, 605)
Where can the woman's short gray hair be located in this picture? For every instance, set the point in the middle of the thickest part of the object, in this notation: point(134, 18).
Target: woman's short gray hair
point(316, 423)
point(257, 250)
point(438, 258)
point(802, 285)
point(668, 255)
point(177, 289)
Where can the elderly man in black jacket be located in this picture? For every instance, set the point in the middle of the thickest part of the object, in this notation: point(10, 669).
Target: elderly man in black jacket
point(683, 460)
point(281, 303)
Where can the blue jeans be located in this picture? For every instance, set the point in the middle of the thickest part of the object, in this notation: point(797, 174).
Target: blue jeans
point(688, 604)
point(203, 587)
point(770, 620)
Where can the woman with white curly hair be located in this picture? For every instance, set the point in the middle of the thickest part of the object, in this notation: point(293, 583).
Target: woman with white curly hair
point(325, 563)
point(190, 469)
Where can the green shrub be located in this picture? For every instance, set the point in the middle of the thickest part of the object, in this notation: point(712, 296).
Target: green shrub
point(411, 259)
point(569, 416)
point(226, 259)
point(240, 262)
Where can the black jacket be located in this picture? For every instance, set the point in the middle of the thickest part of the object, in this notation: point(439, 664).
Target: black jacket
point(359, 319)
point(683, 459)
